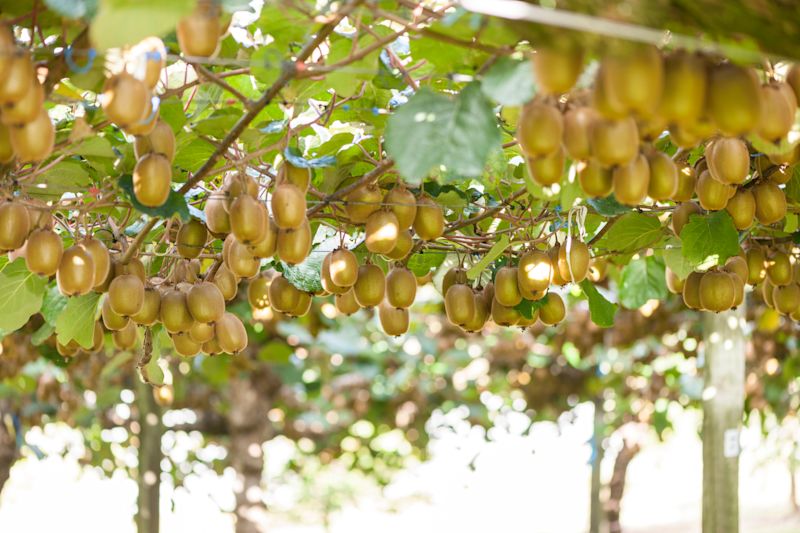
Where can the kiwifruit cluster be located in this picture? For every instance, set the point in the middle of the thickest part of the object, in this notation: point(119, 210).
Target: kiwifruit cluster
point(199, 33)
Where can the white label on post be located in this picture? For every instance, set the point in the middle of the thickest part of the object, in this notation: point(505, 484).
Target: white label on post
point(731, 443)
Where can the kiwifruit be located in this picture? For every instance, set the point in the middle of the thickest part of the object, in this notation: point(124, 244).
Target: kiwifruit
point(553, 252)
point(403, 204)
point(134, 266)
point(294, 245)
point(552, 310)
point(483, 309)
point(684, 137)
point(429, 221)
point(161, 140)
point(346, 302)
point(7, 47)
point(205, 302)
point(258, 292)
point(343, 267)
point(101, 261)
point(39, 213)
point(239, 259)
point(75, 274)
point(69, 350)
point(198, 33)
point(504, 315)
point(780, 174)
point(362, 202)
point(147, 124)
point(98, 337)
point(633, 76)
point(756, 266)
point(112, 320)
point(151, 180)
point(303, 305)
point(557, 66)
point(459, 304)
point(734, 99)
point(126, 295)
point(401, 287)
point(539, 129)
point(154, 55)
point(546, 170)
point(405, 242)
point(325, 277)
point(686, 183)
point(382, 230)
point(267, 245)
point(184, 344)
point(681, 215)
point(201, 332)
point(595, 180)
point(370, 286)
point(598, 269)
point(717, 291)
point(575, 266)
point(577, 123)
point(533, 274)
point(685, 83)
point(728, 160)
point(614, 142)
point(767, 292)
point(125, 338)
point(175, 315)
point(674, 283)
point(6, 149)
point(604, 102)
point(737, 265)
point(786, 298)
point(191, 238)
point(456, 275)
point(663, 176)
point(15, 225)
point(235, 184)
point(528, 294)
point(19, 77)
point(43, 252)
point(26, 108)
point(789, 157)
point(217, 219)
point(283, 296)
point(779, 269)
point(506, 286)
point(288, 206)
point(125, 99)
point(226, 282)
point(151, 308)
point(211, 347)
point(777, 112)
point(230, 333)
point(770, 203)
point(742, 208)
point(394, 320)
point(712, 194)
point(631, 181)
point(33, 141)
point(298, 176)
point(691, 290)
point(651, 128)
point(248, 219)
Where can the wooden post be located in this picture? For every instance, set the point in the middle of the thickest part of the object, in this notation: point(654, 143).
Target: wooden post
point(148, 476)
point(723, 408)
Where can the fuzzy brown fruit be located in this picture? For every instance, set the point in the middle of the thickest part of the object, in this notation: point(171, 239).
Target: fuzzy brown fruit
point(343, 268)
point(717, 291)
point(294, 245)
point(288, 206)
point(553, 310)
point(249, 218)
point(394, 320)
point(362, 202)
point(43, 252)
point(770, 203)
point(205, 302)
point(382, 231)
point(734, 99)
point(370, 286)
point(151, 308)
point(631, 181)
point(34, 140)
point(230, 334)
point(573, 260)
point(429, 221)
point(401, 287)
point(403, 204)
point(191, 238)
point(152, 177)
point(175, 315)
point(126, 295)
point(125, 99)
point(75, 274)
point(539, 129)
point(595, 180)
point(614, 142)
point(459, 304)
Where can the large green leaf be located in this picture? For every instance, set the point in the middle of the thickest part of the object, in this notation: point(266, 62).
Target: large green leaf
point(21, 294)
point(423, 262)
point(509, 82)
point(53, 304)
point(175, 204)
point(601, 310)
point(709, 240)
point(673, 257)
point(499, 247)
point(77, 320)
point(642, 280)
point(306, 275)
point(123, 22)
point(433, 129)
point(631, 232)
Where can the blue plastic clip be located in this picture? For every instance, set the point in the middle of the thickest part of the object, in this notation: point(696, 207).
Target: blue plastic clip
point(90, 55)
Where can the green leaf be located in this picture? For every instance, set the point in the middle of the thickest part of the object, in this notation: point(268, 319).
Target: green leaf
point(527, 307)
point(175, 204)
point(601, 310)
point(433, 129)
point(53, 304)
point(77, 320)
point(675, 261)
point(306, 275)
point(709, 240)
point(21, 294)
point(631, 232)
point(509, 82)
point(642, 280)
point(423, 262)
point(275, 352)
point(73, 9)
point(608, 206)
point(67, 176)
point(498, 248)
point(42, 334)
point(123, 22)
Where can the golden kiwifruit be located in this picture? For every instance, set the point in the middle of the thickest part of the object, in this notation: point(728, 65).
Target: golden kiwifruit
point(777, 112)
point(303, 305)
point(19, 78)
point(734, 99)
point(405, 242)
point(506, 286)
point(604, 102)
point(650, 129)
point(504, 315)
point(633, 75)
point(780, 174)
point(528, 294)
point(394, 320)
point(343, 267)
point(153, 58)
point(685, 83)
point(33, 141)
point(546, 170)
point(39, 213)
point(483, 310)
point(459, 304)
point(370, 286)
point(770, 203)
point(595, 180)
point(767, 292)
point(126, 295)
point(557, 65)
point(742, 209)
point(382, 231)
point(663, 176)
point(779, 269)
point(75, 274)
point(147, 124)
point(756, 265)
point(152, 177)
point(235, 184)
point(6, 148)
point(789, 157)
point(191, 238)
point(230, 334)
point(737, 265)
point(239, 259)
point(346, 302)
point(631, 181)
point(258, 292)
point(43, 252)
point(283, 296)
point(151, 308)
point(198, 33)
point(684, 136)
point(712, 194)
point(614, 142)
point(98, 336)
point(553, 252)
point(403, 204)
point(201, 332)
point(401, 287)
point(674, 283)
point(300, 177)
point(211, 347)
point(134, 266)
point(539, 129)
point(101, 260)
point(455, 275)
point(175, 315)
point(362, 202)
point(577, 123)
point(7, 47)
point(573, 260)
point(26, 108)
point(786, 298)
point(266, 247)
point(552, 310)
point(691, 290)
point(249, 218)
point(288, 206)
point(526, 322)
point(686, 183)
point(429, 221)
point(738, 290)
point(125, 99)
point(112, 320)
point(217, 218)
point(325, 277)
point(294, 245)
point(69, 350)
point(184, 344)
point(205, 302)
point(728, 160)
point(15, 225)
point(717, 291)
point(125, 338)
point(226, 282)
point(488, 292)
point(598, 269)
point(681, 215)
point(161, 140)
point(534, 273)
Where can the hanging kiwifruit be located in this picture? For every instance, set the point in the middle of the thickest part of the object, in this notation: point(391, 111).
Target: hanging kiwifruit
point(401, 287)
point(33, 141)
point(717, 291)
point(674, 283)
point(226, 282)
point(403, 204)
point(737, 265)
point(770, 203)
point(456, 275)
point(504, 315)
point(756, 265)
point(459, 304)
point(777, 112)
point(370, 286)
point(552, 311)
point(235, 184)
point(249, 218)
point(112, 320)
point(101, 261)
point(211, 347)
point(343, 267)
point(191, 238)
point(767, 292)
point(205, 302)
point(27, 108)
point(691, 290)
point(598, 269)
point(483, 309)
point(303, 305)
point(686, 183)
point(300, 177)
point(786, 298)
point(283, 296)
point(125, 99)
point(429, 221)
point(125, 338)
point(553, 252)
point(506, 286)
point(631, 181)
point(266, 247)
point(734, 99)
point(18, 79)
point(198, 33)
point(394, 320)
point(742, 208)
point(134, 266)
point(217, 219)
point(633, 76)
point(151, 308)
point(405, 242)
point(614, 142)
point(362, 202)
point(126, 295)
point(184, 344)
point(577, 123)
point(174, 311)
point(71, 349)
point(43, 252)
point(288, 206)
point(681, 215)
point(75, 274)
point(346, 302)
point(712, 194)
point(201, 332)
point(258, 292)
point(152, 55)
point(595, 180)
point(728, 160)
point(294, 245)
point(539, 129)
point(239, 259)
point(15, 225)
point(779, 269)
point(533, 274)
point(325, 277)
point(663, 176)
point(557, 65)
point(230, 334)
point(147, 124)
point(382, 230)
point(161, 140)
point(151, 180)
point(738, 290)
point(6, 149)
point(685, 82)
point(573, 260)
point(546, 170)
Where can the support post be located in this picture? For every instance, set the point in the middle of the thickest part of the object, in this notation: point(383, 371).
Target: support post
point(596, 508)
point(148, 476)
